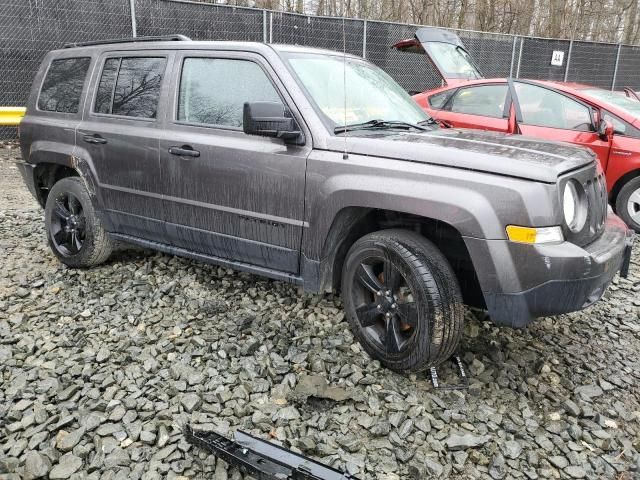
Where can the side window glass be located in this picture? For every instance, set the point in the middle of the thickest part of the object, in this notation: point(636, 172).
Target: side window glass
point(485, 100)
point(619, 127)
point(130, 86)
point(545, 108)
point(439, 99)
point(63, 84)
point(213, 90)
point(106, 85)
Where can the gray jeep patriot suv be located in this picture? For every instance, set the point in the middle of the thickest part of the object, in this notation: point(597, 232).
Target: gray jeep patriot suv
point(251, 156)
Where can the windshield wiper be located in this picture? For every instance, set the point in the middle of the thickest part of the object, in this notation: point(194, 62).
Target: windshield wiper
point(378, 124)
point(429, 121)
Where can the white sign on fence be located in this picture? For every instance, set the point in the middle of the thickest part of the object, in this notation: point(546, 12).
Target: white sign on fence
point(557, 58)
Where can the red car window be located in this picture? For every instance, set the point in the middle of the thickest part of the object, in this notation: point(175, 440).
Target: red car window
point(545, 108)
point(485, 100)
point(439, 99)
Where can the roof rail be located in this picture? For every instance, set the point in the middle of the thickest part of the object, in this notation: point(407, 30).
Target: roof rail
point(159, 38)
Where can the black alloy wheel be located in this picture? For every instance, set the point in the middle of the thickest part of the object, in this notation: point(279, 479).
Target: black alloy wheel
point(67, 228)
point(386, 309)
point(74, 231)
point(402, 300)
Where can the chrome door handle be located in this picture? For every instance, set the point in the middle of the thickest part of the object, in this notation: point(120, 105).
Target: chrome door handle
point(95, 139)
point(184, 151)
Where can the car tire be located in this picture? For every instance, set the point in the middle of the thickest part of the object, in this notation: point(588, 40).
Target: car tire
point(402, 300)
point(74, 232)
point(628, 203)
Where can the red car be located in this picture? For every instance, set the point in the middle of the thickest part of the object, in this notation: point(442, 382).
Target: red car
point(605, 121)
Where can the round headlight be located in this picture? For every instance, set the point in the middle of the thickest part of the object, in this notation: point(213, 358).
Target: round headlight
point(573, 205)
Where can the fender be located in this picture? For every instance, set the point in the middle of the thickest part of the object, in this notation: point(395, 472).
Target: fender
point(340, 192)
point(65, 155)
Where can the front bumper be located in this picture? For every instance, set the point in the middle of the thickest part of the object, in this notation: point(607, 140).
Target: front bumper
point(523, 282)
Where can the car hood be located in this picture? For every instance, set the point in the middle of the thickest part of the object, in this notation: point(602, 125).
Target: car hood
point(511, 155)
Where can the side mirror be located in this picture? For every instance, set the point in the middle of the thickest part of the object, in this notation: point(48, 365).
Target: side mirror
point(605, 129)
point(270, 119)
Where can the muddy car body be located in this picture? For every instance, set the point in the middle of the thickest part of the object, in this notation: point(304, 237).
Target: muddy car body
point(406, 219)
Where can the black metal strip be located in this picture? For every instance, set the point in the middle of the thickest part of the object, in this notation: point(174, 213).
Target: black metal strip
point(262, 459)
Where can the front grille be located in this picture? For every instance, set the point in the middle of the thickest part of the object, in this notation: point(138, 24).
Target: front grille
point(594, 184)
point(596, 189)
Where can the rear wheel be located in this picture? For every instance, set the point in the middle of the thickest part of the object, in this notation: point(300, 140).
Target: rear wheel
point(402, 300)
point(74, 232)
point(628, 203)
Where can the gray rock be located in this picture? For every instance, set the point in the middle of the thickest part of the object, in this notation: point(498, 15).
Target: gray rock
point(67, 442)
point(67, 465)
point(589, 392)
point(497, 468)
point(36, 465)
point(317, 386)
point(163, 436)
point(465, 440)
point(148, 437)
point(117, 458)
point(558, 461)
point(512, 449)
point(286, 413)
point(190, 401)
point(572, 408)
point(433, 467)
point(349, 442)
point(103, 355)
point(575, 471)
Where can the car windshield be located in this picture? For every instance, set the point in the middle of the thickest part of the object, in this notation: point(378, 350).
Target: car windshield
point(371, 94)
point(617, 100)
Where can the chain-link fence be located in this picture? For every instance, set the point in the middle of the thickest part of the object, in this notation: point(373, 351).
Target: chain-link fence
point(30, 28)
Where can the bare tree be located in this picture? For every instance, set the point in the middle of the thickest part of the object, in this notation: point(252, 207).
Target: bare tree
point(595, 20)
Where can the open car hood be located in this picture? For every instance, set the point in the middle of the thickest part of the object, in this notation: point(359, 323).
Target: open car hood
point(445, 51)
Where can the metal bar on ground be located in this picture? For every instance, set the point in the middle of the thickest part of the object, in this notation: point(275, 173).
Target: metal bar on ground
point(265, 460)
point(11, 116)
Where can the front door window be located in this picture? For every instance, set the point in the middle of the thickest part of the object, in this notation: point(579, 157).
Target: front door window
point(542, 107)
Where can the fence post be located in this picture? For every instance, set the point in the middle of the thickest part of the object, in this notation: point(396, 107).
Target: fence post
point(264, 26)
point(364, 40)
point(270, 26)
point(134, 25)
point(519, 57)
point(513, 55)
point(566, 68)
point(615, 69)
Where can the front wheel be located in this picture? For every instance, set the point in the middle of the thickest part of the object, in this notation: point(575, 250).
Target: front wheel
point(402, 300)
point(74, 232)
point(628, 204)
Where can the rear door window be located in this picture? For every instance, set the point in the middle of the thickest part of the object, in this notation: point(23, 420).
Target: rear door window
point(213, 90)
point(62, 86)
point(130, 86)
point(484, 100)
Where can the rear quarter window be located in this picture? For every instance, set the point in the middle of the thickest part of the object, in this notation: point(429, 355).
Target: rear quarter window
point(62, 86)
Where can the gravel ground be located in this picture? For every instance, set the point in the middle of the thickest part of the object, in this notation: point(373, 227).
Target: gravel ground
point(100, 369)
